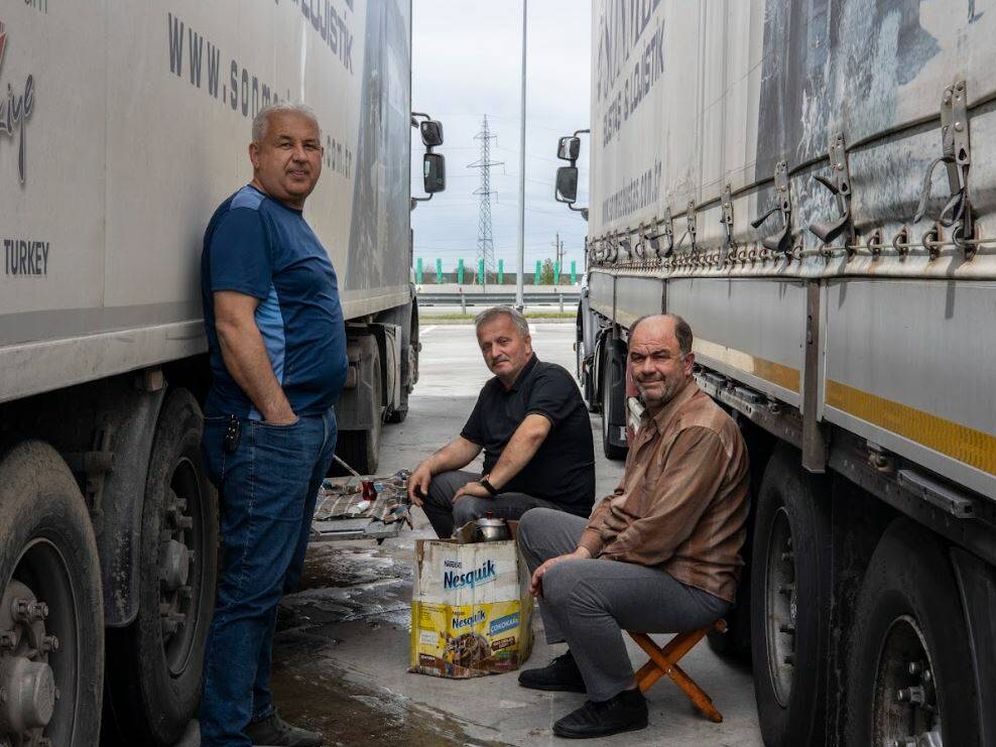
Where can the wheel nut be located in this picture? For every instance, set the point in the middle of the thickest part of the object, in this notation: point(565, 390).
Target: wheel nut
point(50, 643)
point(913, 695)
point(8, 641)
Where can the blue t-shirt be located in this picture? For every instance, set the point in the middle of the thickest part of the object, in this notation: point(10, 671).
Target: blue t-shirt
point(260, 247)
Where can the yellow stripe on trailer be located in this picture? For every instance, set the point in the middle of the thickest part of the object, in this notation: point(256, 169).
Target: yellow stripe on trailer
point(775, 373)
point(973, 447)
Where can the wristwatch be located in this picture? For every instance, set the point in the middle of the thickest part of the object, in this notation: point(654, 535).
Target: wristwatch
point(488, 486)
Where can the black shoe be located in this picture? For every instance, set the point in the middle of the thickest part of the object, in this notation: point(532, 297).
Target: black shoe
point(273, 731)
point(626, 711)
point(561, 674)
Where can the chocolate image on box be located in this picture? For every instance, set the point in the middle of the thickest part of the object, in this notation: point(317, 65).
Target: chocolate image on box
point(468, 650)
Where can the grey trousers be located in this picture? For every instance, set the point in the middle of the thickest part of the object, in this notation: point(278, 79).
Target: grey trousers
point(444, 515)
point(588, 603)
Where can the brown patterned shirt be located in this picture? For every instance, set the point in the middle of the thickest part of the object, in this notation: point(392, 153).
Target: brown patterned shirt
point(683, 500)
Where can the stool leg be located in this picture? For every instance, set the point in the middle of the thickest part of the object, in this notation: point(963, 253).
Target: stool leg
point(664, 661)
point(695, 693)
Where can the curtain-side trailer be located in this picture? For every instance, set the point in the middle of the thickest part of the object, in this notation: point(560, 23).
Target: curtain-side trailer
point(812, 185)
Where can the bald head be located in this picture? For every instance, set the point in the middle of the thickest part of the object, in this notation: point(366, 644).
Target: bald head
point(680, 329)
point(660, 358)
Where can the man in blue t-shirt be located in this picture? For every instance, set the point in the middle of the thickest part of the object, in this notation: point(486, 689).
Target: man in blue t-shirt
point(278, 357)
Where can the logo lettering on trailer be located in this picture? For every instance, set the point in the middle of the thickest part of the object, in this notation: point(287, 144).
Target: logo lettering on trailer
point(15, 108)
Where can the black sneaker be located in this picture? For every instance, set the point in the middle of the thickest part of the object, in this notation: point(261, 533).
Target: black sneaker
point(273, 731)
point(561, 674)
point(626, 711)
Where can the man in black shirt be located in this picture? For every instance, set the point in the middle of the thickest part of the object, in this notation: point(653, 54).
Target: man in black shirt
point(534, 429)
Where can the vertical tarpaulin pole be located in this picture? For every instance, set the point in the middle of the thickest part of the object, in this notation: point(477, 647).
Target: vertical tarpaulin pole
point(418, 271)
point(480, 272)
point(556, 272)
point(574, 272)
point(539, 271)
point(501, 271)
point(460, 272)
point(439, 270)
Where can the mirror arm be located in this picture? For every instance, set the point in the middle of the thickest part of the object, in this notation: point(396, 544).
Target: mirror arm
point(417, 200)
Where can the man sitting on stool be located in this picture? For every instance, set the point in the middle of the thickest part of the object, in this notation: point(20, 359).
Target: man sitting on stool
point(659, 555)
point(534, 429)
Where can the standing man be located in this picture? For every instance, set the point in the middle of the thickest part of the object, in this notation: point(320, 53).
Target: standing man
point(659, 555)
point(278, 355)
point(534, 429)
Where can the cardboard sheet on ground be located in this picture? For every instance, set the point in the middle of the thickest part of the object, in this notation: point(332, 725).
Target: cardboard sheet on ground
point(471, 607)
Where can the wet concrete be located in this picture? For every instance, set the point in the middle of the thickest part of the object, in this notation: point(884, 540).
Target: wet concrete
point(342, 646)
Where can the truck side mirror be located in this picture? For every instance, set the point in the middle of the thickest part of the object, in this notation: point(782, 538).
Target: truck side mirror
point(432, 132)
point(567, 184)
point(434, 172)
point(569, 149)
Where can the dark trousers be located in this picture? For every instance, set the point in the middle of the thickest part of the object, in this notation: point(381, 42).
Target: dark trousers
point(267, 490)
point(445, 515)
point(588, 603)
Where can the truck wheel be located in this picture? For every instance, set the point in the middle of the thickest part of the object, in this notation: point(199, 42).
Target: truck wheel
point(790, 602)
point(910, 667)
point(611, 402)
point(584, 373)
point(51, 614)
point(361, 449)
point(156, 684)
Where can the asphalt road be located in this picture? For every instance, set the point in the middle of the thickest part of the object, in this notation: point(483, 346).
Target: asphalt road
point(343, 642)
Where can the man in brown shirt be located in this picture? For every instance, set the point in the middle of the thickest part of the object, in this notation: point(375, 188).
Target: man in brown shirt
point(658, 555)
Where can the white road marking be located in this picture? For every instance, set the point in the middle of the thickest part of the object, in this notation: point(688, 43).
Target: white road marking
point(427, 330)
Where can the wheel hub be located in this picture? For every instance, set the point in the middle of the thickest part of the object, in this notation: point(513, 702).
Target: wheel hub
point(906, 712)
point(175, 561)
point(27, 683)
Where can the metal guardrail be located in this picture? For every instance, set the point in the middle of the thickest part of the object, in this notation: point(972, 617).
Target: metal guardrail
point(567, 299)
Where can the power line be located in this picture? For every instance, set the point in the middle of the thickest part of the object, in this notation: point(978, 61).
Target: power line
point(485, 240)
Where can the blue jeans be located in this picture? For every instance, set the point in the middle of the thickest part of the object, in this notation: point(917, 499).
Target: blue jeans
point(267, 489)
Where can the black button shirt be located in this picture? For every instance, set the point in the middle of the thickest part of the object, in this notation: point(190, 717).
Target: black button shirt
point(563, 468)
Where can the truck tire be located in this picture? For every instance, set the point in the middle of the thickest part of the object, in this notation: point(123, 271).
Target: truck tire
point(613, 402)
point(408, 322)
point(49, 567)
point(155, 687)
point(584, 373)
point(791, 583)
point(909, 632)
point(361, 449)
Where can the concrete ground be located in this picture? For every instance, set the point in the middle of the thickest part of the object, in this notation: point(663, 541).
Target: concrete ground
point(342, 646)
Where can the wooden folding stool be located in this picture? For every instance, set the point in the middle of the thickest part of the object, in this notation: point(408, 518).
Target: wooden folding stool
point(664, 661)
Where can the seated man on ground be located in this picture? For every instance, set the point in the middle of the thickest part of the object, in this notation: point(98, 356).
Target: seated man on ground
point(659, 555)
point(534, 429)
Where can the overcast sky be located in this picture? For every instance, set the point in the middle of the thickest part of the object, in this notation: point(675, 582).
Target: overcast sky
point(467, 63)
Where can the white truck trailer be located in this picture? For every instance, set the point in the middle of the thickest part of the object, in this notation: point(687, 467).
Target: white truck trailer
point(122, 127)
point(766, 169)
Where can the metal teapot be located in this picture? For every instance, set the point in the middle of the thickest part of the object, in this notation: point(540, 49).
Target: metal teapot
point(490, 529)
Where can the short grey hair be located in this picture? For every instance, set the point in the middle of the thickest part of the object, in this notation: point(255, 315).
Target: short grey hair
point(682, 330)
point(489, 315)
point(261, 122)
